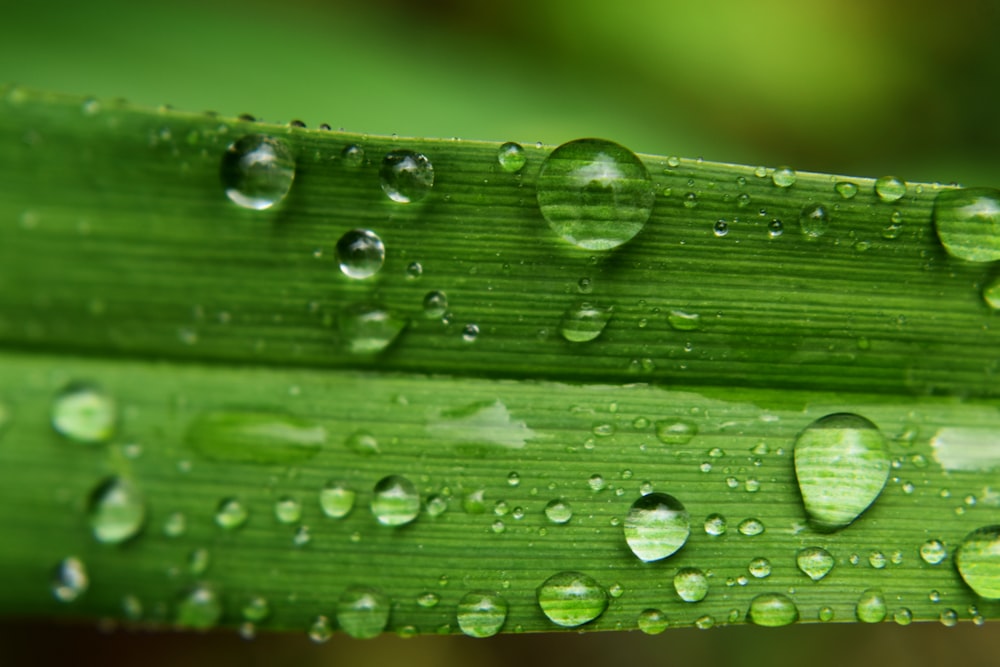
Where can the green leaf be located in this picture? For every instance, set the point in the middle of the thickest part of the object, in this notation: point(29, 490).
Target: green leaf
point(488, 366)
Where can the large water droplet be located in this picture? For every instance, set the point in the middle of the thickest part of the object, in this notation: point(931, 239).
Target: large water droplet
point(117, 511)
point(257, 171)
point(760, 568)
point(231, 514)
point(360, 253)
point(968, 223)
point(933, 552)
point(890, 188)
point(395, 501)
point(200, 609)
point(594, 193)
point(783, 177)
point(368, 328)
point(481, 614)
point(584, 321)
point(652, 621)
point(571, 599)
point(406, 176)
point(363, 612)
point(871, 607)
point(691, 584)
point(558, 511)
point(814, 562)
point(772, 610)
point(657, 526)
point(84, 413)
point(511, 157)
point(814, 221)
point(254, 437)
point(842, 464)
point(336, 500)
point(70, 580)
point(978, 561)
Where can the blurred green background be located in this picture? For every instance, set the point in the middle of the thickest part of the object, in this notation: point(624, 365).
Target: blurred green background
point(844, 86)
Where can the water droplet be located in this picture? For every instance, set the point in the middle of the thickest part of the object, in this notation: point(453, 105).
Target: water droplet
point(200, 609)
point(705, 623)
point(436, 505)
point(231, 514)
point(368, 328)
point(288, 510)
point(814, 221)
point(691, 584)
point(675, 431)
point(845, 189)
point(428, 600)
point(435, 304)
point(584, 321)
point(198, 561)
point(596, 483)
point(750, 527)
point(362, 442)
point(683, 321)
point(558, 511)
point(414, 270)
point(395, 501)
point(814, 562)
point(511, 157)
point(783, 177)
point(991, 295)
point(70, 580)
point(117, 511)
point(968, 223)
point(948, 618)
point(481, 614)
point(760, 568)
point(257, 171)
point(775, 228)
point(978, 561)
point(175, 525)
point(320, 630)
point(877, 560)
point(720, 228)
point(657, 526)
point(406, 176)
point(360, 253)
point(84, 413)
point(513, 479)
point(470, 332)
point(842, 464)
point(571, 599)
point(254, 437)
point(772, 610)
point(363, 612)
point(652, 621)
point(871, 607)
point(353, 155)
point(715, 525)
point(933, 552)
point(336, 500)
point(256, 609)
point(594, 193)
point(890, 188)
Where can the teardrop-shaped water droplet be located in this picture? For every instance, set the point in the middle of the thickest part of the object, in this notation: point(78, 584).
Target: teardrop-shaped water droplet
point(406, 176)
point(363, 612)
point(117, 511)
point(871, 607)
point(360, 253)
point(652, 621)
point(571, 599)
point(842, 464)
point(319, 630)
point(814, 221)
point(254, 437)
point(231, 514)
point(368, 328)
point(511, 157)
point(200, 609)
point(594, 193)
point(395, 501)
point(814, 562)
point(336, 500)
point(691, 584)
point(890, 188)
point(657, 526)
point(435, 304)
point(481, 614)
point(772, 610)
point(257, 171)
point(584, 321)
point(978, 561)
point(70, 580)
point(968, 223)
point(84, 413)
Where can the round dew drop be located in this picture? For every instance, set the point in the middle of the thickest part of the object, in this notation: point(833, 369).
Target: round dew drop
point(200, 609)
point(652, 621)
point(570, 599)
point(70, 580)
point(584, 322)
point(933, 552)
point(890, 188)
point(871, 607)
point(511, 157)
point(231, 514)
point(360, 253)
point(84, 413)
point(320, 631)
point(978, 561)
point(558, 511)
point(435, 305)
point(481, 614)
point(842, 465)
point(595, 193)
point(336, 500)
point(117, 511)
point(968, 223)
point(395, 501)
point(657, 525)
point(772, 610)
point(783, 177)
point(406, 176)
point(715, 525)
point(363, 612)
point(368, 328)
point(257, 171)
point(353, 155)
point(814, 221)
point(691, 584)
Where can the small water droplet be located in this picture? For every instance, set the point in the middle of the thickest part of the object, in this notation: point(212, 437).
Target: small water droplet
point(320, 631)
point(481, 614)
point(751, 527)
point(200, 609)
point(890, 188)
point(715, 525)
point(353, 155)
point(772, 610)
point(783, 177)
point(902, 616)
point(675, 431)
point(584, 321)
point(705, 622)
point(414, 270)
point(336, 500)
point(657, 526)
point(360, 253)
point(288, 510)
point(84, 413)
point(363, 612)
point(842, 464)
point(231, 514)
point(436, 505)
point(760, 568)
point(435, 304)
point(362, 442)
point(558, 511)
point(814, 221)
point(720, 228)
point(652, 621)
point(594, 193)
point(511, 157)
point(470, 332)
point(680, 320)
point(395, 501)
point(406, 176)
point(70, 580)
point(978, 561)
point(596, 483)
point(254, 437)
point(175, 525)
point(368, 328)
point(933, 552)
point(691, 584)
point(845, 189)
point(570, 599)
point(428, 600)
point(877, 560)
point(814, 562)
point(257, 171)
point(968, 223)
point(871, 607)
point(117, 511)
point(948, 618)
point(256, 609)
